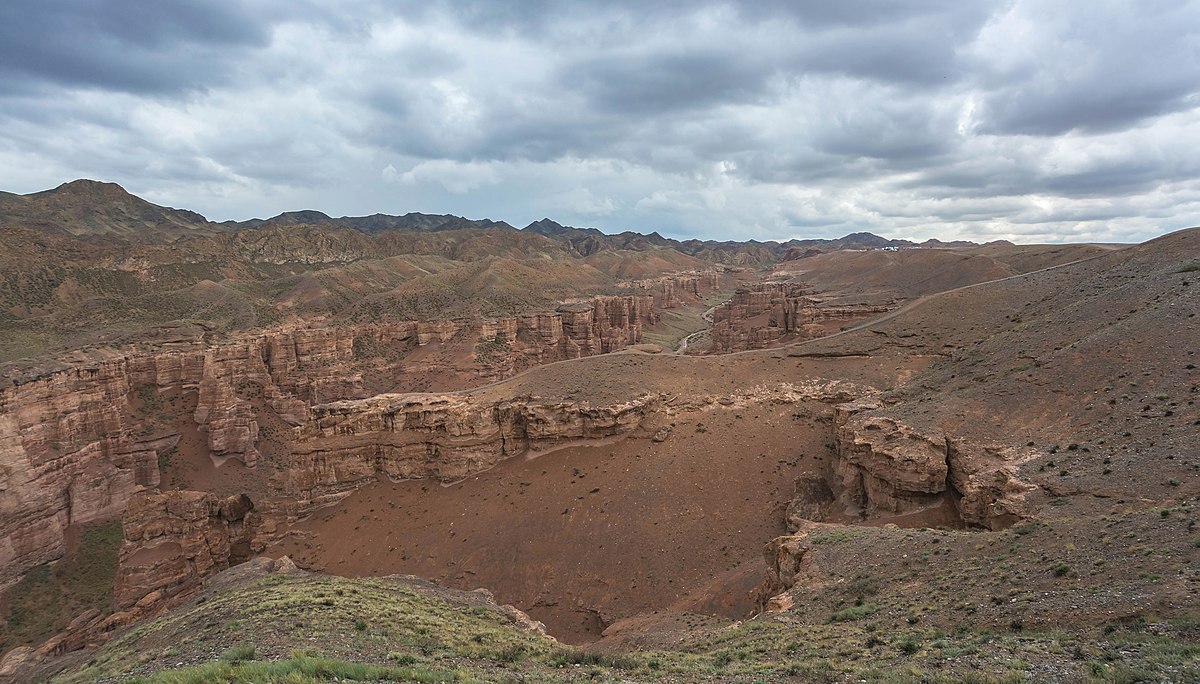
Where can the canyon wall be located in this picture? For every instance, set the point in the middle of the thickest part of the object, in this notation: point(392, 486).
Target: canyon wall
point(75, 443)
point(174, 540)
point(672, 291)
point(755, 318)
point(599, 325)
point(443, 437)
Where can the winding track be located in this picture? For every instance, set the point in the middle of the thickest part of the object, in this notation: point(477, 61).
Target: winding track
point(929, 297)
point(708, 316)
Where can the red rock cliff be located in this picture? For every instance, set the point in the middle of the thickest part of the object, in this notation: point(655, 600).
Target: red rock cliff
point(75, 443)
point(757, 317)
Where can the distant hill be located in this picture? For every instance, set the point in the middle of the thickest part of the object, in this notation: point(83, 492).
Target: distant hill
point(425, 223)
point(91, 208)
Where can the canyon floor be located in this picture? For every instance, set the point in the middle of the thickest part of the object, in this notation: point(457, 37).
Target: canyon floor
point(470, 452)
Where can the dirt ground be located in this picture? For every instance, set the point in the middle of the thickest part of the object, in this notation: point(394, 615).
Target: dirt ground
point(581, 536)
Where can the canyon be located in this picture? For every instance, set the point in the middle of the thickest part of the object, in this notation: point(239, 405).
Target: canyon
point(857, 426)
point(77, 442)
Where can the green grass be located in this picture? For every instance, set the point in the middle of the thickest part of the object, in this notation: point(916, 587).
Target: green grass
point(1190, 267)
point(298, 670)
point(417, 633)
point(51, 595)
point(370, 620)
point(855, 613)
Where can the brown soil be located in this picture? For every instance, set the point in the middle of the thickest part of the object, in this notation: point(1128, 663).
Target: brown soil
point(582, 536)
point(870, 275)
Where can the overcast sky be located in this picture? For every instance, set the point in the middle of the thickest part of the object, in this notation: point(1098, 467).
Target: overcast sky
point(1058, 120)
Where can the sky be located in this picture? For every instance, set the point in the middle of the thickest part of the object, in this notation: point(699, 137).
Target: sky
point(1032, 121)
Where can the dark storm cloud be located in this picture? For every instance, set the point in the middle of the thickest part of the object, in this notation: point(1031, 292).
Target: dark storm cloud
point(866, 12)
point(1090, 106)
point(1092, 67)
point(143, 47)
point(1116, 180)
point(665, 83)
point(719, 119)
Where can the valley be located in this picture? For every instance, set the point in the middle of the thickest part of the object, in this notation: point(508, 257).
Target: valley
point(634, 445)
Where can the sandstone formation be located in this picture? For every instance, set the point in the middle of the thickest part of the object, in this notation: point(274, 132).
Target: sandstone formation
point(596, 326)
point(669, 290)
point(176, 539)
point(757, 317)
point(789, 562)
point(885, 466)
point(444, 437)
point(93, 628)
point(69, 454)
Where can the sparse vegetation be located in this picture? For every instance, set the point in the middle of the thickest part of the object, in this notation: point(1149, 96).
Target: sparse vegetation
point(301, 670)
point(488, 352)
point(50, 596)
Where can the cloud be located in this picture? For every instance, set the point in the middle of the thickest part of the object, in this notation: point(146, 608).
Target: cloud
point(1052, 68)
point(130, 47)
point(455, 177)
point(580, 202)
point(767, 120)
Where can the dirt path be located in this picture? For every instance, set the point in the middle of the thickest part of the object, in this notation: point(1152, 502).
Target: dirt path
point(707, 316)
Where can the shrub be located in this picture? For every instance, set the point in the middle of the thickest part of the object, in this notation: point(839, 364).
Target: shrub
point(402, 658)
point(510, 654)
point(854, 613)
point(238, 654)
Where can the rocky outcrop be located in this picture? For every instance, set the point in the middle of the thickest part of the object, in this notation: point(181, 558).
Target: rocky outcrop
point(757, 317)
point(596, 326)
point(173, 542)
point(886, 467)
point(444, 437)
point(176, 539)
point(92, 628)
point(812, 500)
point(789, 561)
point(987, 479)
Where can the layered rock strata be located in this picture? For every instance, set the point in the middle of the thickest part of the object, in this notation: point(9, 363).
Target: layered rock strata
point(757, 317)
point(76, 442)
point(176, 539)
point(596, 326)
point(672, 291)
point(443, 437)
